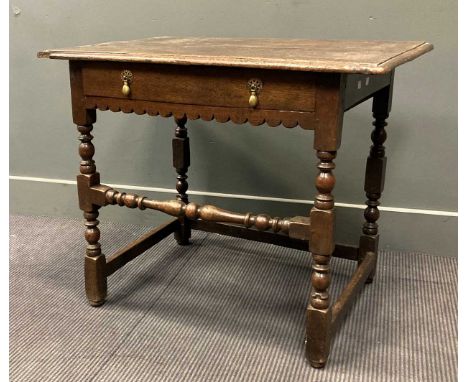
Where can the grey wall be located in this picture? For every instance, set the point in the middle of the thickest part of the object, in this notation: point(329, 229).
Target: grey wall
point(135, 150)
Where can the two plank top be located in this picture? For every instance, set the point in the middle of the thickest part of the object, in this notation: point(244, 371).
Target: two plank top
point(343, 56)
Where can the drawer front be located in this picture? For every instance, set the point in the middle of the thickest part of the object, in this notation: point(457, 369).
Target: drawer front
point(201, 85)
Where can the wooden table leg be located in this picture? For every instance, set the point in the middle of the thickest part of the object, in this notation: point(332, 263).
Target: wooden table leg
point(181, 162)
point(322, 219)
point(375, 175)
point(95, 261)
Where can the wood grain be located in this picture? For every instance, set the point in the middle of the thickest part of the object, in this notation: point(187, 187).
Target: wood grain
point(344, 56)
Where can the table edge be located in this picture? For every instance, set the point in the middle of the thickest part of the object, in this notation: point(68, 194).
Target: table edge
point(381, 68)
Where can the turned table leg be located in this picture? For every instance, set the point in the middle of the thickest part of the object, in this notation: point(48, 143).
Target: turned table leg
point(375, 174)
point(322, 218)
point(95, 261)
point(181, 162)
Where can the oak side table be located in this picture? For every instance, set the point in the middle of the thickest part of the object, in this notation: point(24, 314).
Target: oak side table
point(309, 83)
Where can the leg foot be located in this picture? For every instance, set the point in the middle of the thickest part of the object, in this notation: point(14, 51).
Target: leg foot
point(95, 280)
point(368, 243)
point(318, 336)
point(318, 365)
point(183, 233)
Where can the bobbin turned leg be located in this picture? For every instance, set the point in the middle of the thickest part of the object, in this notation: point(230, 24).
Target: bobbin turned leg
point(322, 219)
point(375, 175)
point(181, 161)
point(95, 261)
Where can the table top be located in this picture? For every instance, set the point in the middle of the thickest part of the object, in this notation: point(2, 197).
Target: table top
point(344, 56)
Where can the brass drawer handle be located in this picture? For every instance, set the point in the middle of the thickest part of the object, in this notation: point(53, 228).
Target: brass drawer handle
point(127, 77)
point(254, 85)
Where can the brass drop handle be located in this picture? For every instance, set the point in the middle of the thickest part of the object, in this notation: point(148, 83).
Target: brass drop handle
point(254, 85)
point(125, 88)
point(253, 99)
point(127, 78)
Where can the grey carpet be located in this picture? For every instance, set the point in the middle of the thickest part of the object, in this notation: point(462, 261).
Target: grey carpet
point(219, 310)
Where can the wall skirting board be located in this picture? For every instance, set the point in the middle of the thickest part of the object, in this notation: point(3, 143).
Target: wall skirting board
point(397, 224)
